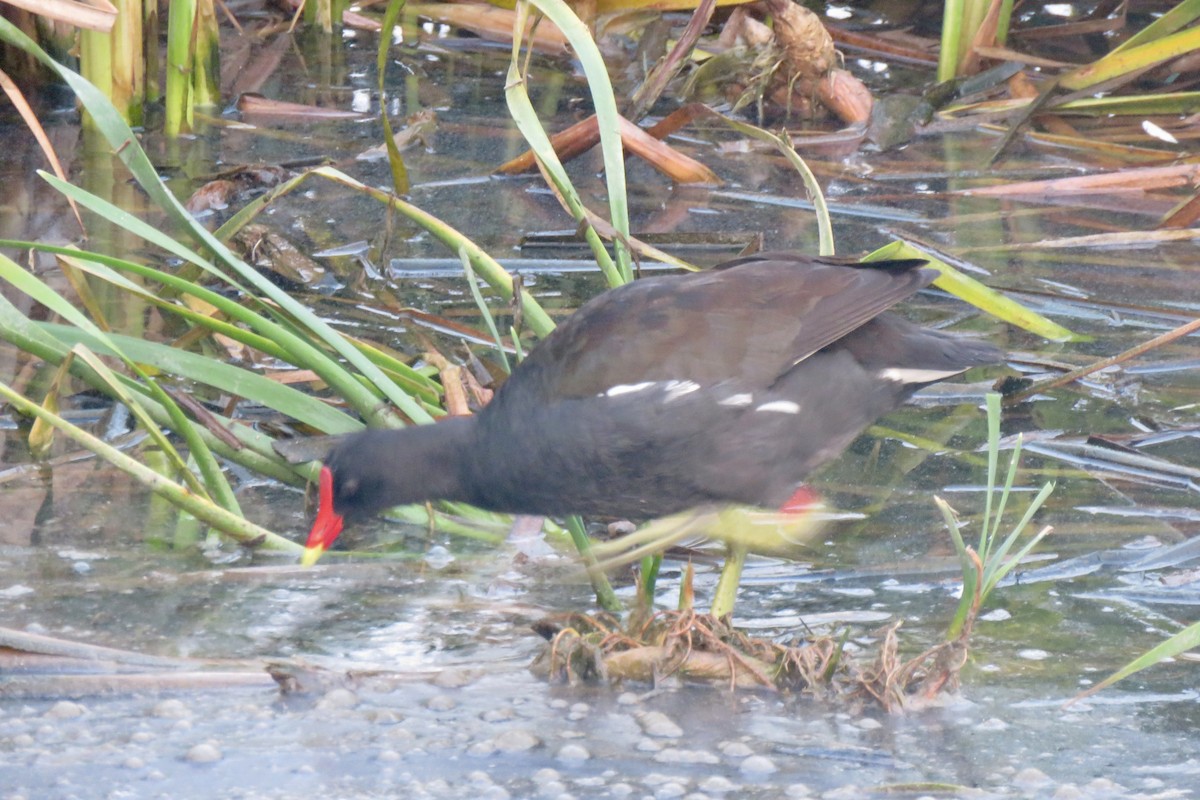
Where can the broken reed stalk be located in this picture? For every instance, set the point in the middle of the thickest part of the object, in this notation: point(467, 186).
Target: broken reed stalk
point(1120, 358)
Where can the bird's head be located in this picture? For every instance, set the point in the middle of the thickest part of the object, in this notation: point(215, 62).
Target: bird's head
point(373, 470)
point(348, 491)
point(328, 524)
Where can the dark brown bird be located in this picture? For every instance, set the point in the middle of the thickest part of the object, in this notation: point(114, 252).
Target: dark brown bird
point(723, 386)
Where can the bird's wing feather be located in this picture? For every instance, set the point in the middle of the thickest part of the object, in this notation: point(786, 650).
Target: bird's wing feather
point(745, 321)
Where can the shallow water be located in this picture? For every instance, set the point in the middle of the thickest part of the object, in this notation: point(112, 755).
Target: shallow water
point(84, 555)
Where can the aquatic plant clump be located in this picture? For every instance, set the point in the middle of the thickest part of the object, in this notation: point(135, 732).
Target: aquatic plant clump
point(700, 648)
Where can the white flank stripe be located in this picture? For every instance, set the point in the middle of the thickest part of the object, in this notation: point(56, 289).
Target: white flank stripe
point(743, 399)
point(782, 406)
point(627, 388)
point(677, 389)
point(902, 375)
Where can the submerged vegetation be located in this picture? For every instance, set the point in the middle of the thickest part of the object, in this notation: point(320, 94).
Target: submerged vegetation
point(228, 319)
point(706, 647)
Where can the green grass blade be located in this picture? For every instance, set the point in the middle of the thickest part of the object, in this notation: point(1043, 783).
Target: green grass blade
point(484, 311)
point(254, 449)
point(483, 264)
point(214, 478)
point(811, 185)
point(997, 566)
point(725, 594)
point(950, 517)
point(972, 291)
point(178, 462)
point(1002, 566)
point(247, 213)
point(232, 524)
point(605, 595)
point(295, 349)
point(1004, 22)
point(119, 216)
point(1187, 639)
point(98, 265)
point(1125, 61)
point(109, 270)
point(648, 583)
point(1182, 15)
point(520, 108)
point(969, 575)
point(952, 37)
point(605, 104)
point(225, 377)
point(993, 458)
point(1159, 103)
point(382, 58)
point(1014, 461)
point(109, 123)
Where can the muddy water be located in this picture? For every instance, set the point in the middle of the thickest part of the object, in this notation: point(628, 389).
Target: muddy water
point(438, 701)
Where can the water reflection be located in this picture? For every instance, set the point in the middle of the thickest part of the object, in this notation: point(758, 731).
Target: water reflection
point(85, 555)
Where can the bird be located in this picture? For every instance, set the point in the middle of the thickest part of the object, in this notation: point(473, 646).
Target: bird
point(722, 386)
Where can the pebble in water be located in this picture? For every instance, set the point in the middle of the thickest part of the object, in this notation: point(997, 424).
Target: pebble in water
point(516, 741)
point(337, 699)
point(497, 714)
point(385, 716)
point(657, 779)
point(656, 723)
point(441, 702)
point(736, 749)
point(65, 709)
point(204, 753)
point(675, 755)
point(758, 765)
point(670, 790)
point(456, 678)
point(573, 752)
point(485, 748)
point(397, 735)
point(546, 775)
point(718, 784)
point(1031, 778)
point(1104, 786)
point(170, 709)
point(552, 789)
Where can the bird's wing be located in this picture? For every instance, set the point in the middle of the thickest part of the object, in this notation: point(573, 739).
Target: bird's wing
point(750, 320)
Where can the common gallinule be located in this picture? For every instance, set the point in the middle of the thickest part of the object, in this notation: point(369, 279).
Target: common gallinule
point(723, 386)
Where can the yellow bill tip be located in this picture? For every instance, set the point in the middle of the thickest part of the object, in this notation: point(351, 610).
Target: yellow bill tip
point(311, 554)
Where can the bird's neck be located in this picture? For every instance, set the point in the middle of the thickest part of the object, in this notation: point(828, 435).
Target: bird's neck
point(441, 449)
